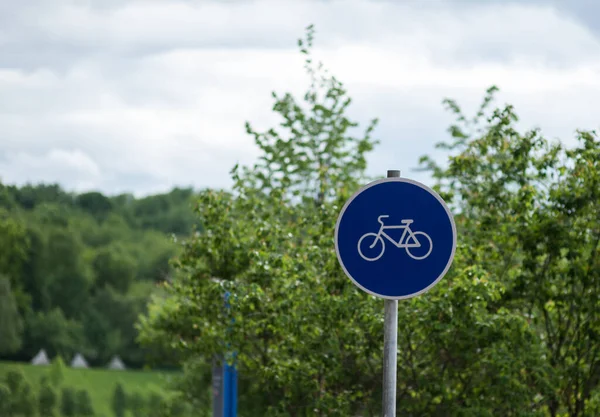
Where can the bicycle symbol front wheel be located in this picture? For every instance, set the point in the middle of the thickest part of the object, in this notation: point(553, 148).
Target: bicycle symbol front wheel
point(371, 246)
point(426, 243)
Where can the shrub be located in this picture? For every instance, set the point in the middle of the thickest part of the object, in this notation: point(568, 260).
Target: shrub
point(67, 404)
point(119, 401)
point(4, 400)
point(136, 405)
point(57, 371)
point(25, 401)
point(83, 402)
point(21, 399)
point(14, 381)
point(156, 405)
point(47, 399)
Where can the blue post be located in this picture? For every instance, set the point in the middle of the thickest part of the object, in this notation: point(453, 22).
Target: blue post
point(229, 391)
point(229, 381)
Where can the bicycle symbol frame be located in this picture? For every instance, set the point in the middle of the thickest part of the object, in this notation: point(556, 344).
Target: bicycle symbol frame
point(407, 235)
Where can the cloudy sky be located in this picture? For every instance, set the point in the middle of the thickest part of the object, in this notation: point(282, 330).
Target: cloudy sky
point(140, 96)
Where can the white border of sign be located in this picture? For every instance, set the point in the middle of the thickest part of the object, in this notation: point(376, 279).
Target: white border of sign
point(418, 184)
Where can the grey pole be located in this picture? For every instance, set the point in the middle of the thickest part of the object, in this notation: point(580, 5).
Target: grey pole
point(390, 347)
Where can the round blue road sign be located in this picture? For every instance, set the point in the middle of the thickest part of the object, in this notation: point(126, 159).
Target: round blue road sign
point(395, 238)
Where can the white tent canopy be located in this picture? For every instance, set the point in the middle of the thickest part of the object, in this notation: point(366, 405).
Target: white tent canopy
point(116, 363)
point(79, 362)
point(41, 358)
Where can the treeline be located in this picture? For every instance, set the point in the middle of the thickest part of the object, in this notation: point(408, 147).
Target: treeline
point(76, 270)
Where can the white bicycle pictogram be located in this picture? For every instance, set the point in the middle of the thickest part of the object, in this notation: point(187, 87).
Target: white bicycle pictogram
point(407, 236)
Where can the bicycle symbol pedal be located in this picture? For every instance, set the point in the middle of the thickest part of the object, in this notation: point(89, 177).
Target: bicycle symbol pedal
point(409, 240)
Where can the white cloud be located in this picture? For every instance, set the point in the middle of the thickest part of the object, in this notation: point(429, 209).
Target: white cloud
point(150, 94)
point(58, 165)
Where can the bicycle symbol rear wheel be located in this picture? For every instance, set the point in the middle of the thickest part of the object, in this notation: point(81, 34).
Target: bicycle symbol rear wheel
point(423, 242)
point(371, 243)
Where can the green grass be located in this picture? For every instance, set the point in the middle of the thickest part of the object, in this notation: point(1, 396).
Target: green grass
point(100, 383)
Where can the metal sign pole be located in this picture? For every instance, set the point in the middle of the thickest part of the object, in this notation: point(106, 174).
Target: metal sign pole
point(218, 393)
point(390, 347)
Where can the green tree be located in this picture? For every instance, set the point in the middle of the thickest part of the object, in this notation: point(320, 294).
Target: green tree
point(109, 319)
point(22, 399)
point(15, 380)
point(34, 279)
point(11, 324)
point(7, 199)
point(156, 405)
point(95, 203)
point(178, 408)
point(136, 404)
point(57, 371)
point(529, 213)
point(53, 215)
point(26, 401)
point(168, 213)
point(68, 405)
point(114, 267)
point(153, 254)
point(31, 196)
point(119, 400)
point(114, 228)
point(70, 278)
point(47, 399)
point(13, 245)
point(83, 404)
point(5, 401)
point(194, 386)
point(57, 334)
point(175, 406)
